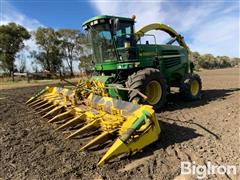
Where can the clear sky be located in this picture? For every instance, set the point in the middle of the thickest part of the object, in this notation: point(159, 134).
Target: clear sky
point(208, 26)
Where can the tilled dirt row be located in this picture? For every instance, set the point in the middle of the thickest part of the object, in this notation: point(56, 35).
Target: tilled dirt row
point(201, 131)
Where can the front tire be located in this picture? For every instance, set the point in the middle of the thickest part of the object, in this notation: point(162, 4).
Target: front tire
point(150, 82)
point(191, 87)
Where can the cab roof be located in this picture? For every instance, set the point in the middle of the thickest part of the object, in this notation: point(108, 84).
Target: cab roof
point(107, 17)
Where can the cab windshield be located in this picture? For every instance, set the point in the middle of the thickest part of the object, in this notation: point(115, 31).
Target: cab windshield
point(102, 43)
point(106, 40)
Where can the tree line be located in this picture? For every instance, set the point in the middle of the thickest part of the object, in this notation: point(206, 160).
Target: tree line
point(58, 49)
point(208, 61)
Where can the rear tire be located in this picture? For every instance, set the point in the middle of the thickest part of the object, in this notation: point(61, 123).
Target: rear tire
point(150, 82)
point(191, 87)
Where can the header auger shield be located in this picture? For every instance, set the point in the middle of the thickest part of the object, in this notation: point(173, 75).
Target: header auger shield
point(80, 112)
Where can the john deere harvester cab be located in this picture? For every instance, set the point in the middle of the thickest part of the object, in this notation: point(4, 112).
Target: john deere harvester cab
point(113, 42)
point(123, 60)
point(132, 78)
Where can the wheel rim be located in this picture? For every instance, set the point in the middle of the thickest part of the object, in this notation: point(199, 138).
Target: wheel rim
point(194, 87)
point(153, 92)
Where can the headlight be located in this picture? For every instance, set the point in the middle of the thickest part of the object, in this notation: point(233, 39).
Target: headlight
point(130, 66)
point(102, 20)
point(127, 45)
point(120, 57)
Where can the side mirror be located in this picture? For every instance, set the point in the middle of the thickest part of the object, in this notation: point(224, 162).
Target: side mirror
point(115, 24)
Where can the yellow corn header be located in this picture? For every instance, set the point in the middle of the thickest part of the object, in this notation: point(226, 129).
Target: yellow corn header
point(86, 110)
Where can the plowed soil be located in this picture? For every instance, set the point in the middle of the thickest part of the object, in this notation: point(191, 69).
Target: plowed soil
point(200, 131)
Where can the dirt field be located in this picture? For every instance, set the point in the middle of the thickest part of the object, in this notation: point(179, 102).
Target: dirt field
point(206, 130)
